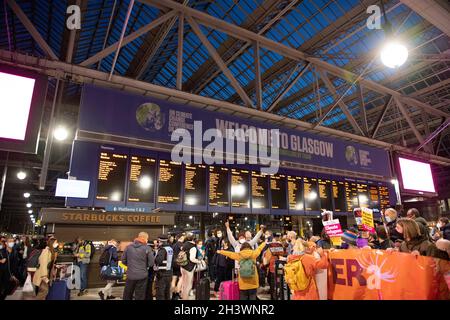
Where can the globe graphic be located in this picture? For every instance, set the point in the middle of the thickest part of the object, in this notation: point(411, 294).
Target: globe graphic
point(150, 117)
point(350, 154)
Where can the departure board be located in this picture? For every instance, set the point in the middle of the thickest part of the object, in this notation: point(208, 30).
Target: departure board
point(351, 194)
point(325, 194)
point(278, 191)
point(374, 198)
point(339, 196)
point(195, 185)
point(218, 187)
point(295, 193)
point(112, 171)
point(260, 193)
point(384, 197)
point(141, 182)
point(311, 193)
point(169, 182)
point(240, 190)
point(363, 195)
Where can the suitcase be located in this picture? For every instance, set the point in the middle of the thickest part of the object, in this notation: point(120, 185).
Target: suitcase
point(202, 289)
point(229, 290)
point(58, 291)
point(282, 291)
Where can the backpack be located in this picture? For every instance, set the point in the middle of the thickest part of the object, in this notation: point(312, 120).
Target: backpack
point(105, 257)
point(295, 276)
point(33, 259)
point(182, 258)
point(89, 242)
point(246, 268)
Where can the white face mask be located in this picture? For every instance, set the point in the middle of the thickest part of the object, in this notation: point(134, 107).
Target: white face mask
point(55, 245)
point(1, 247)
point(11, 244)
point(388, 219)
point(219, 235)
point(241, 241)
point(439, 226)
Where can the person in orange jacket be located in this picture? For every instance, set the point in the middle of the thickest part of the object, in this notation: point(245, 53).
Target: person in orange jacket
point(310, 265)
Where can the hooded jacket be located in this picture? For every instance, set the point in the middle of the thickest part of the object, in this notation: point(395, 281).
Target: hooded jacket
point(423, 227)
point(138, 257)
point(246, 283)
point(425, 248)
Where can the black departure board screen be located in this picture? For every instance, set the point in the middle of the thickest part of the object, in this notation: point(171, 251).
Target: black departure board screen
point(260, 193)
point(141, 182)
point(339, 196)
point(351, 194)
point(195, 185)
point(240, 189)
point(169, 182)
point(384, 197)
point(278, 191)
point(218, 187)
point(363, 195)
point(311, 192)
point(295, 193)
point(325, 194)
point(111, 176)
point(374, 198)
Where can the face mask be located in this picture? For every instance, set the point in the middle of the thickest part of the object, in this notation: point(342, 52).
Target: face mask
point(1, 247)
point(241, 241)
point(439, 226)
point(388, 219)
point(11, 244)
point(219, 235)
point(55, 245)
point(199, 247)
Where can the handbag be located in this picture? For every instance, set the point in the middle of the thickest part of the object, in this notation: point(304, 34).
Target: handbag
point(28, 286)
point(201, 266)
point(109, 272)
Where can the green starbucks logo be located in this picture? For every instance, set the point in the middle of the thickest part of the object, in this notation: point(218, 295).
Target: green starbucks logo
point(150, 117)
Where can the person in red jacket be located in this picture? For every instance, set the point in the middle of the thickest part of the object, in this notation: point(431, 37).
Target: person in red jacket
point(310, 266)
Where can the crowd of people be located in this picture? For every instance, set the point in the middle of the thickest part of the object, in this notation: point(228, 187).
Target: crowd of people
point(171, 267)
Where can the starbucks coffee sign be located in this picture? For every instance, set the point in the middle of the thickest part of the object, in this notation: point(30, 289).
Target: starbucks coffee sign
point(74, 216)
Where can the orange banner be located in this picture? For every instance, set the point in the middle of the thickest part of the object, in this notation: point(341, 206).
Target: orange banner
point(364, 274)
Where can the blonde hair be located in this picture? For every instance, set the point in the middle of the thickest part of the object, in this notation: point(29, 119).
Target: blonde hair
point(143, 235)
point(392, 213)
point(410, 228)
point(299, 245)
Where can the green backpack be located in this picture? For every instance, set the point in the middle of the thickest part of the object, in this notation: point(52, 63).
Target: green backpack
point(246, 268)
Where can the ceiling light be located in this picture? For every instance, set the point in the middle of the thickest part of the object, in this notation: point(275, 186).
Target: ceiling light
point(60, 133)
point(21, 175)
point(29, 205)
point(394, 54)
point(26, 195)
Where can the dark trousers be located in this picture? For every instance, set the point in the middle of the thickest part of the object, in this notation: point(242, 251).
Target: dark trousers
point(222, 274)
point(247, 294)
point(136, 288)
point(271, 279)
point(163, 283)
point(149, 289)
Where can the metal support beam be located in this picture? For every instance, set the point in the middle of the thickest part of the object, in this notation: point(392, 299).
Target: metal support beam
point(341, 104)
point(49, 142)
point(380, 118)
point(284, 50)
point(107, 31)
point(180, 52)
point(258, 83)
point(408, 119)
point(119, 46)
point(434, 134)
point(31, 29)
point(234, 83)
point(5, 173)
point(362, 107)
point(80, 74)
point(131, 37)
point(288, 88)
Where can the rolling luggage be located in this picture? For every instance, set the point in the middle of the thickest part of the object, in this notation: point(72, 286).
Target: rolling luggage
point(202, 288)
point(59, 291)
point(229, 290)
point(282, 291)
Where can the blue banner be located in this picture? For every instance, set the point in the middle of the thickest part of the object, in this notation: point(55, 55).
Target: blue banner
point(119, 113)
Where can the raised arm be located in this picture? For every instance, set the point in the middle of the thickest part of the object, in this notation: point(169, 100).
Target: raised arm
point(230, 236)
point(255, 240)
point(229, 254)
point(258, 251)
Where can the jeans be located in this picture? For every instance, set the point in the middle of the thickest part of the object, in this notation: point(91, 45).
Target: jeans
point(163, 282)
point(83, 275)
point(136, 288)
point(149, 288)
point(247, 294)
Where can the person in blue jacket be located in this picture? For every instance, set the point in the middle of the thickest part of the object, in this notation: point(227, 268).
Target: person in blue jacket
point(111, 248)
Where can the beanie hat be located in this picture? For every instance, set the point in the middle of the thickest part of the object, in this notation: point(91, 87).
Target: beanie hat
point(349, 237)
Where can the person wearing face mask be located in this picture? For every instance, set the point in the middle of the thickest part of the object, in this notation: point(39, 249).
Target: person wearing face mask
point(43, 275)
point(442, 229)
point(187, 271)
point(291, 237)
point(224, 267)
point(390, 218)
point(210, 252)
point(414, 242)
point(112, 260)
point(7, 265)
point(163, 269)
point(310, 265)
